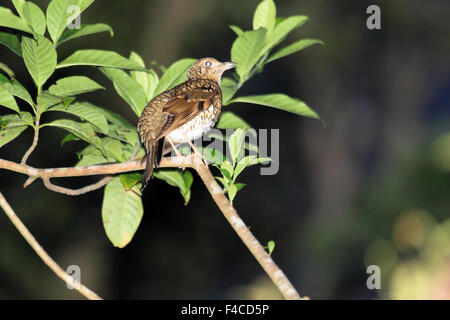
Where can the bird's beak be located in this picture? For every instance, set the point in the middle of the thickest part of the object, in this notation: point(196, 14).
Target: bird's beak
point(227, 65)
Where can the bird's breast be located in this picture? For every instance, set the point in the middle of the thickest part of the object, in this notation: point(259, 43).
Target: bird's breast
point(197, 127)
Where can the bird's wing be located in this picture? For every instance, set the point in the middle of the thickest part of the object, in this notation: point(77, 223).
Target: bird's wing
point(189, 100)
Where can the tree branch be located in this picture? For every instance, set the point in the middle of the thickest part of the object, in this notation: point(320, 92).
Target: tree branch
point(35, 139)
point(76, 192)
point(191, 161)
point(43, 254)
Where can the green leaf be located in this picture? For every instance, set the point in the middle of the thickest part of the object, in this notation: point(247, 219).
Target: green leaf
point(223, 181)
point(18, 4)
point(213, 155)
point(7, 100)
point(235, 144)
point(236, 30)
point(99, 58)
point(227, 170)
point(40, 58)
point(113, 148)
point(280, 101)
point(127, 88)
point(7, 70)
point(17, 90)
point(82, 130)
point(10, 20)
point(129, 180)
point(232, 191)
point(60, 13)
point(239, 186)
point(176, 178)
point(229, 120)
point(148, 80)
point(229, 88)
point(11, 41)
point(174, 75)
point(265, 15)
point(9, 135)
point(34, 17)
point(247, 162)
point(46, 100)
point(281, 30)
point(270, 246)
point(83, 111)
point(85, 29)
point(122, 212)
point(69, 137)
point(293, 48)
point(11, 126)
point(246, 51)
point(72, 86)
point(111, 116)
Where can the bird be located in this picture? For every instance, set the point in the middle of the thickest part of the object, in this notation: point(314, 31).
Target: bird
point(183, 113)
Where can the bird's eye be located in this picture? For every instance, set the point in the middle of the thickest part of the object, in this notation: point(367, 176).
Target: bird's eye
point(208, 63)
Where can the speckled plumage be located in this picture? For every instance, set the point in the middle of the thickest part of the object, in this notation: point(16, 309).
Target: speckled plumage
point(190, 109)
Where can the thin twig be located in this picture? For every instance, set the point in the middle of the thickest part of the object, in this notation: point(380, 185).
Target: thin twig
point(35, 139)
point(217, 193)
point(43, 254)
point(77, 192)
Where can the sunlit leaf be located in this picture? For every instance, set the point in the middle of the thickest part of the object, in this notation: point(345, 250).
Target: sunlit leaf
point(281, 31)
point(236, 30)
point(148, 80)
point(10, 20)
point(280, 101)
point(235, 143)
point(293, 48)
point(7, 100)
point(17, 90)
point(176, 178)
point(40, 58)
point(68, 138)
point(246, 51)
point(72, 86)
point(174, 75)
point(127, 88)
point(83, 111)
point(99, 58)
point(82, 130)
point(122, 212)
point(11, 126)
point(34, 17)
point(229, 88)
point(229, 120)
point(7, 70)
point(265, 15)
point(85, 30)
point(61, 12)
point(129, 180)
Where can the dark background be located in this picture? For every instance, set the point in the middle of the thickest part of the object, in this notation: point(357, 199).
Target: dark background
point(372, 187)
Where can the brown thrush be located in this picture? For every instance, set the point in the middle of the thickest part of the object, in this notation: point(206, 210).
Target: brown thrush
point(184, 113)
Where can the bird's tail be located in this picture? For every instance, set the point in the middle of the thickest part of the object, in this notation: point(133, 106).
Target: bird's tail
point(150, 163)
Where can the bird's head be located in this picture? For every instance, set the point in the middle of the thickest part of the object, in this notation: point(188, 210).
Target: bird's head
point(209, 68)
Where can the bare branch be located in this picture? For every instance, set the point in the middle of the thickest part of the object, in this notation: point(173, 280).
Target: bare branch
point(43, 254)
point(76, 192)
